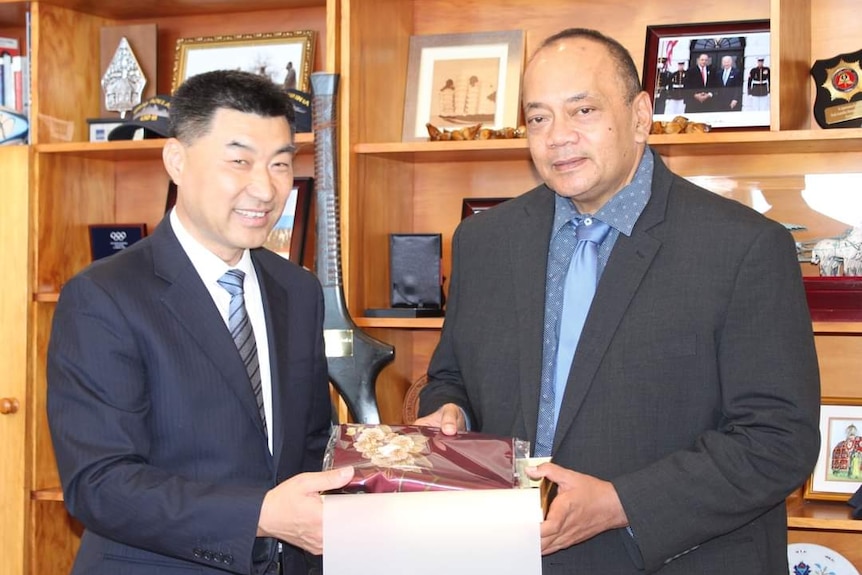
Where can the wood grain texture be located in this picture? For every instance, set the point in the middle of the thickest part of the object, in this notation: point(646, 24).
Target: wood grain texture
point(14, 287)
point(54, 538)
point(148, 8)
point(71, 193)
point(42, 470)
point(63, 92)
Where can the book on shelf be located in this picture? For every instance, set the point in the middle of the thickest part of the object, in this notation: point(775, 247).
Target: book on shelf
point(14, 92)
point(9, 49)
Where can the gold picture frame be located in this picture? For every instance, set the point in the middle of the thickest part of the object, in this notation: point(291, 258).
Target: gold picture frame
point(837, 474)
point(456, 80)
point(269, 54)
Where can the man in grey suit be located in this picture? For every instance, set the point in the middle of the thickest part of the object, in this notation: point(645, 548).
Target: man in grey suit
point(185, 441)
point(690, 408)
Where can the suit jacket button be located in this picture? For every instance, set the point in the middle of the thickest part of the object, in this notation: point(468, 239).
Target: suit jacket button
point(198, 553)
point(208, 555)
point(228, 559)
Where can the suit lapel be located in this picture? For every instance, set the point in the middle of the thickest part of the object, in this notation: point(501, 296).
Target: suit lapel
point(530, 258)
point(629, 261)
point(275, 305)
point(191, 304)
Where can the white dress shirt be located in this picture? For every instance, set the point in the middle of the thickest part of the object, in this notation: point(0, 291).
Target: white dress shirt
point(210, 268)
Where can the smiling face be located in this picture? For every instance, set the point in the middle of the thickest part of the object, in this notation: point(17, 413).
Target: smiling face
point(586, 139)
point(233, 181)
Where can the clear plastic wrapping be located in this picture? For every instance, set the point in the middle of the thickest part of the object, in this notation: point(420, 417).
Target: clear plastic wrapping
point(394, 458)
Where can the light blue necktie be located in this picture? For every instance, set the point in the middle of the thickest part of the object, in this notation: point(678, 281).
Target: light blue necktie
point(243, 335)
point(577, 296)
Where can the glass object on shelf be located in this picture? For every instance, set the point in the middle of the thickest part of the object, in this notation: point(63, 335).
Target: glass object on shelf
point(813, 207)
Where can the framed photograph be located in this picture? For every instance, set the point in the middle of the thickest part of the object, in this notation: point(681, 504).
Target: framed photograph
point(287, 238)
point(458, 80)
point(838, 472)
point(470, 206)
point(284, 57)
point(717, 73)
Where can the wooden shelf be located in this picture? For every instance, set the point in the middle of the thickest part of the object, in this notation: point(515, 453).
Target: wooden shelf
point(48, 297)
point(758, 142)
point(837, 327)
point(820, 327)
point(51, 494)
point(470, 150)
point(400, 323)
point(701, 144)
point(142, 9)
point(829, 515)
point(135, 149)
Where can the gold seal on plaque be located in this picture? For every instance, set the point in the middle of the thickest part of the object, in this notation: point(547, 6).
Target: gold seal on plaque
point(838, 103)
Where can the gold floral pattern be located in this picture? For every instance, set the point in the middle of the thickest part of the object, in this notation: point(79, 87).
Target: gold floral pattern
point(387, 448)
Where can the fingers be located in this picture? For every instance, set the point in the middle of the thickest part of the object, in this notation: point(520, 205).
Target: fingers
point(449, 418)
point(314, 483)
point(552, 471)
point(293, 510)
point(452, 420)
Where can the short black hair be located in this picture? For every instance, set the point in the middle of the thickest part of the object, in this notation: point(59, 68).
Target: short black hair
point(625, 64)
point(198, 99)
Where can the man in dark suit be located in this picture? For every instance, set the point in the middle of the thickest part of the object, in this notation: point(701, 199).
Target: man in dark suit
point(728, 97)
point(689, 411)
point(179, 449)
point(700, 86)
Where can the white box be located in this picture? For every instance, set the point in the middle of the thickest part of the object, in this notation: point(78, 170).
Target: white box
point(433, 532)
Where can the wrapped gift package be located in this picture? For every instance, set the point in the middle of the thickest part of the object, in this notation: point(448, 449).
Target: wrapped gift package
point(409, 458)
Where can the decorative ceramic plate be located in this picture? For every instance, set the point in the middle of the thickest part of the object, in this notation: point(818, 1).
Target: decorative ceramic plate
point(812, 559)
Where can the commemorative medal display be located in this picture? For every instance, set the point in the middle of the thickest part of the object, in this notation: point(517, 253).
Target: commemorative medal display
point(838, 103)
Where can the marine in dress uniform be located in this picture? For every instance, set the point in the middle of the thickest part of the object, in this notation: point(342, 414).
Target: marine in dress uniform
point(758, 87)
point(675, 102)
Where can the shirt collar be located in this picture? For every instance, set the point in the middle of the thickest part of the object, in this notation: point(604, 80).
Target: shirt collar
point(622, 211)
point(208, 265)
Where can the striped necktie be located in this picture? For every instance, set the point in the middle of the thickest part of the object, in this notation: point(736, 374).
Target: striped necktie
point(242, 334)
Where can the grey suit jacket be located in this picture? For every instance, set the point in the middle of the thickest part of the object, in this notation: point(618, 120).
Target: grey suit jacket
point(694, 389)
point(157, 435)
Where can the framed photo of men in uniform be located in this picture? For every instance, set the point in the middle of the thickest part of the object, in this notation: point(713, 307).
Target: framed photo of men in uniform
point(716, 73)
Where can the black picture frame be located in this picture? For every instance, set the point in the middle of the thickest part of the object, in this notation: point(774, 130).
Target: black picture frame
point(109, 239)
point(743, 41)
point(288, 236)
point(470, 206)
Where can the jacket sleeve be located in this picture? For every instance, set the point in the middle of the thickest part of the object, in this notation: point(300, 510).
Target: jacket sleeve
point(445, 382)
point(99, 411)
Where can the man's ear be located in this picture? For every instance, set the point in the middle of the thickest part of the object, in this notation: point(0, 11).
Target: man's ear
point(642, 116)
point(174, 158)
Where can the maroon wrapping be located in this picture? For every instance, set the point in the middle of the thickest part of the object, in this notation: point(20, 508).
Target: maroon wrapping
point(392, 458)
